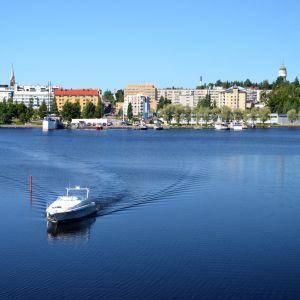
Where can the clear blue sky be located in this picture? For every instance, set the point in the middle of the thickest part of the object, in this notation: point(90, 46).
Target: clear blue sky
point(108, 44)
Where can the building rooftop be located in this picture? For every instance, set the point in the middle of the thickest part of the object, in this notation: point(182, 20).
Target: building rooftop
point(239, 88)
point(76, 92)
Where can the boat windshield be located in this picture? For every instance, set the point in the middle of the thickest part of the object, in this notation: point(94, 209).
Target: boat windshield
point(82, 193)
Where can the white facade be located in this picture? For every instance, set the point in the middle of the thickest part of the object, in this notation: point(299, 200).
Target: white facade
point(93, 122)
point(6, 92)
point(139, 102)
point(35, 93)
point(189, 97)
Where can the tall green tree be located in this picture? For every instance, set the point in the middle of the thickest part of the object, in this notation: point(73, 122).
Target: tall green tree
point(226, 114)
point(5, 116)
point(129, 112)
point(30, 110)
point(54, 108)
point(71, 111)
point(43, 110)
point(292, 115)
point(22, 112)
point(206, 114)
point(76, 110)
point(168, 112)
point(187, 113)
point(238, 115)
point(206, 102)
point(264, 114)
point(89, 111)
point(162, 102)
point(120, 96)
point(67, 111)
point(179, 110)
point(109, 97)
point(99, 109)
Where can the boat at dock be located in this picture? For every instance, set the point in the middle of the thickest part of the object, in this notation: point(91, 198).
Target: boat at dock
point(221, 126)
point(50, 123)
point(74, 205)
point(237, 126)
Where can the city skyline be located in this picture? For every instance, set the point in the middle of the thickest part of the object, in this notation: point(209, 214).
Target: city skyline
point(165, 43)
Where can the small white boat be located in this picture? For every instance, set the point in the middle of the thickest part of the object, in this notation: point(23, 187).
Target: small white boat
point(72, 206)
point(221, 126)
point(49, 123)
point(236, 126)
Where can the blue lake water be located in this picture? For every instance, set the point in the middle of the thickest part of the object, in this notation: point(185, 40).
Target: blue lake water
point(184, 214)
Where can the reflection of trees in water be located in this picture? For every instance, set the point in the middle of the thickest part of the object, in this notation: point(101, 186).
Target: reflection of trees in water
point(71, 231)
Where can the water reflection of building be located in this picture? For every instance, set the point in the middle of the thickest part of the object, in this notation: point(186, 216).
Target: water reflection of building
point(78, 231)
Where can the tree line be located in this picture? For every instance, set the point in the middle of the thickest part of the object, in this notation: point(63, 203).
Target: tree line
point(18, 112)
point(73, 110)
point(284, 97)
point(207, 112)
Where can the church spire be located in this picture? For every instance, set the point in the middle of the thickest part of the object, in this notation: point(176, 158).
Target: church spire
point(12, 80)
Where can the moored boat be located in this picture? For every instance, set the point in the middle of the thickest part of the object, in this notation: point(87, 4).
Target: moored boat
point(221, 126)
point(237, 126)
point(49, 123)
point(72, 206)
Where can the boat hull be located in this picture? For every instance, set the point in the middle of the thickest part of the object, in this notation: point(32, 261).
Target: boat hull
point(49, 124)
point(221, 128)
point(73, 214)
point(237, 128)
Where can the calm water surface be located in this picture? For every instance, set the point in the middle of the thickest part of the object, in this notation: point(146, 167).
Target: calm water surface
point(184, 214)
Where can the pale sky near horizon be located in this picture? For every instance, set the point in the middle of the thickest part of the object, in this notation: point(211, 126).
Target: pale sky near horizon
point(108, 44)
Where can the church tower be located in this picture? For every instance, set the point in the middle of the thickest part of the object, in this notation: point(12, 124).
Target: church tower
point(12, 80)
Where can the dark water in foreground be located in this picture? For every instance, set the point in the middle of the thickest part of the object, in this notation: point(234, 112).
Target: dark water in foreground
point(185, 214)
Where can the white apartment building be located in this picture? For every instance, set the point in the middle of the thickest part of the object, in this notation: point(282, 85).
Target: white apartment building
point(188, 97)
point(6, 92)
point(35, 93)
point(140, 105)
point(191, 97)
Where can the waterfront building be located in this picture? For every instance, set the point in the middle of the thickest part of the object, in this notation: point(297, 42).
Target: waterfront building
point(6, 92)
point(34, 94)
point(83, 96)
point(27, 94)
point(189, 97)
point(234, 98)
point(147, 90)
point(177, 96)
point(215, 94)
point(140, 105)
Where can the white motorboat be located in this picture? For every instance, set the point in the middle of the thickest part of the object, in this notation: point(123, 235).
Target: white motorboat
point(221, 126)
point(72, 206)
point(237, 126)
point(49, 123)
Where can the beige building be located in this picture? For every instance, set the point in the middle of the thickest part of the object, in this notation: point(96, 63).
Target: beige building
point(147, 90)
point(234, 98)
point(83, 96)
point(189, 97)
point(140, 105)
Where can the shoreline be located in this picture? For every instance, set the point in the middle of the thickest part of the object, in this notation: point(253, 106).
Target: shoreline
point(183, 127)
